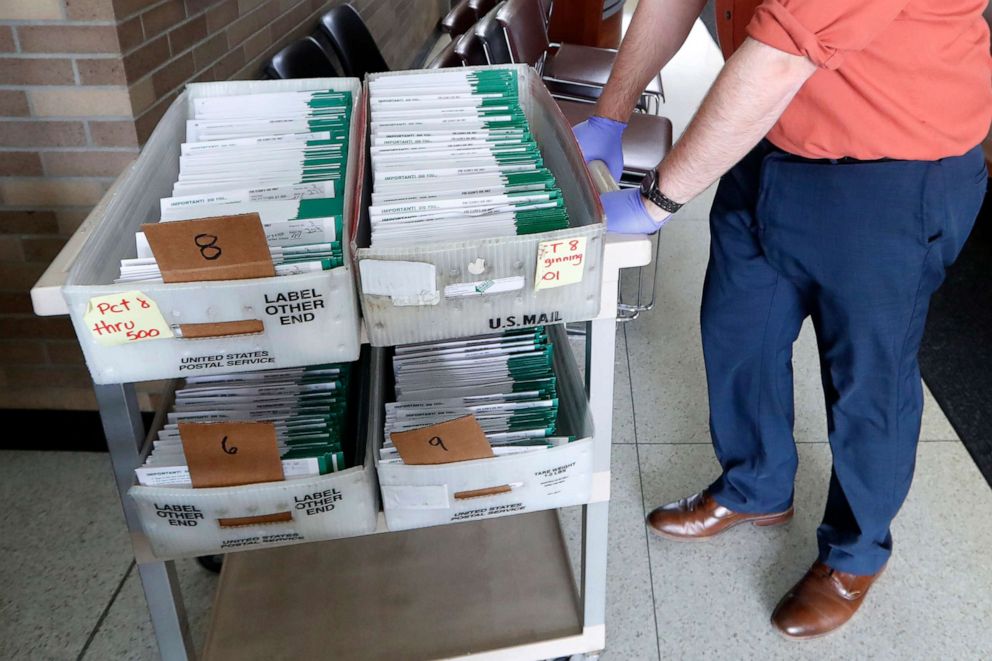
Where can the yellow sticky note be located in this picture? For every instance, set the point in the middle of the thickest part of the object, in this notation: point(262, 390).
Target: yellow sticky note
point(560, 263)
point(125, 318)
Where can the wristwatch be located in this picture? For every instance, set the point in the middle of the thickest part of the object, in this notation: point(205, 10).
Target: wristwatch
point(649, 189)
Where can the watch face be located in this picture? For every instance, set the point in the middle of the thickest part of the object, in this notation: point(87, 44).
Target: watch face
point(647, 183)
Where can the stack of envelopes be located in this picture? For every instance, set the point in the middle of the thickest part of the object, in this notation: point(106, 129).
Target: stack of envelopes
point(307, 405)
point(281, 155)
point(506, 381)
point(453, 159)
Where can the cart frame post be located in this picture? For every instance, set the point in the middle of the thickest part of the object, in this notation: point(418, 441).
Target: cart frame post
point(125, 432)
point(599, 362)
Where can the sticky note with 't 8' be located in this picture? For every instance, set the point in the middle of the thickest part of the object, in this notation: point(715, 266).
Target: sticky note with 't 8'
point(560, 262)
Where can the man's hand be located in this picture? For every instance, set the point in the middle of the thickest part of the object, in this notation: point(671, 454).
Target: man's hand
point(601, 140)
point(627, 212)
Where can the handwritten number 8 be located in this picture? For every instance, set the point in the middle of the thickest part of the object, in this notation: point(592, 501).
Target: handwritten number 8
point(207, 243)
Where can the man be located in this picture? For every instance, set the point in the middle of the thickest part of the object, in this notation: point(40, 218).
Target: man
point(862, 193)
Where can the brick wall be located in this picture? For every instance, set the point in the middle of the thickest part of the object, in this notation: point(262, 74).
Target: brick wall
point(82, 85)
point(64, 117)
point(169, 43)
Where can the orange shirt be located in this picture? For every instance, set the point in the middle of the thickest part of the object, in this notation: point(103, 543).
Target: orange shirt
point(905, 79)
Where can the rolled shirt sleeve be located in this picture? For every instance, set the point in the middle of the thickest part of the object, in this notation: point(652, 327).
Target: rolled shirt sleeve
point(825, 31)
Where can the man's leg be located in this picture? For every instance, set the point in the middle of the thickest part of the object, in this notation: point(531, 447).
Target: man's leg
point(750, 318)
point(875, 239)
point(869, 318)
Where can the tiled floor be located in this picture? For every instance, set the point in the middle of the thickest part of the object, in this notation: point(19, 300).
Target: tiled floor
point(68, 589)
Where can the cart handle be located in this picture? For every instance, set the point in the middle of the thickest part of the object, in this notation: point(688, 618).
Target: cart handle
point(601, 177)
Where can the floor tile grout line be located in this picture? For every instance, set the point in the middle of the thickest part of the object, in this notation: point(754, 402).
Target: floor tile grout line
point(106, 611)
point(640, 484)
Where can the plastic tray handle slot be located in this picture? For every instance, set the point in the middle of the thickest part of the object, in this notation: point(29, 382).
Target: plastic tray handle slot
point(219, 329)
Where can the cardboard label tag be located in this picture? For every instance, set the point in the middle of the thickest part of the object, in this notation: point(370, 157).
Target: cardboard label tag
point(227, 454)
point(460, 439)
point(560, 263)
point(222, 248)
point(125, 318)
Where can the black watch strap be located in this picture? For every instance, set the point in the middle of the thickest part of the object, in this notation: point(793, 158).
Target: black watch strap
point(649, 189)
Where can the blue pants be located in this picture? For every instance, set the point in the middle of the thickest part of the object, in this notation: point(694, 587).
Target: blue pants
point(860, 247)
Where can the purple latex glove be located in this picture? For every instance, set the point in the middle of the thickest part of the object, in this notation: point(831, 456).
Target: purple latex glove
point(601, 139)
point(626, 213)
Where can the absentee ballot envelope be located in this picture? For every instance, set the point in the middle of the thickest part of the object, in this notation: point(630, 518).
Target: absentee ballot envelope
point(307, 407)
point(452, 155)
point(505, 381)
point(281, 155)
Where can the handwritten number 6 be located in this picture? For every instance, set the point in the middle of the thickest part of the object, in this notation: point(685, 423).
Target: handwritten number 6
point(229, 450)
point(437, 442)
point(207, 243)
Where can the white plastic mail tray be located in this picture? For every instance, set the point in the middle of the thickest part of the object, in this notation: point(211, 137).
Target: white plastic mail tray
point(393, 317)
point(307, 319)
point(182, 522)
point(418, 496)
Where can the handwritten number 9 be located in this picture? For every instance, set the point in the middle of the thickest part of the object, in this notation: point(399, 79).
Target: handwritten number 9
point(207, 243)
point(229, 450)
point(437, 442)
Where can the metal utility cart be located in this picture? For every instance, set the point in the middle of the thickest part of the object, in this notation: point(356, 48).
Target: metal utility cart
point(493, 589)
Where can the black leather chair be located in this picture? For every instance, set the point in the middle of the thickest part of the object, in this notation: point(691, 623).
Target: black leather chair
point(646, 141)
point(481, 7)
point(352, 42)
point(446, 59)
point(301, 59)
point(490, 33)
point(571, 70)
point(459, 20)
point(471, 50)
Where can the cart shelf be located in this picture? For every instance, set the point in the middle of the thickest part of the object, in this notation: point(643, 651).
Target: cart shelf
point(502, 586)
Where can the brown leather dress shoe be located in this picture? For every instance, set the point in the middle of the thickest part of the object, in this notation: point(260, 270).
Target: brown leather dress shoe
point(700, 517)
point(821, 602)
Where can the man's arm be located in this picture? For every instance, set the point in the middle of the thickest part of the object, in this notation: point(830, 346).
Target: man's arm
point(657, 31)
point(753, 90)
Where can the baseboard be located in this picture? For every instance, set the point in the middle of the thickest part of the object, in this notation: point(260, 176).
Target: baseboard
point(53, 430)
